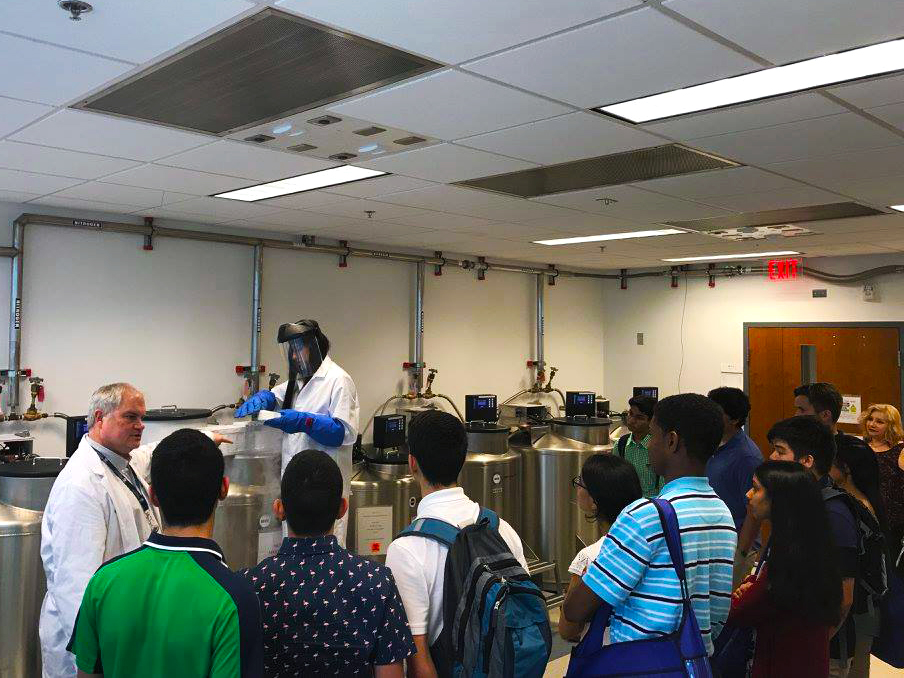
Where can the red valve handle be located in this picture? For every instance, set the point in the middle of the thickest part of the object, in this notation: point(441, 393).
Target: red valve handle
point(40, 394)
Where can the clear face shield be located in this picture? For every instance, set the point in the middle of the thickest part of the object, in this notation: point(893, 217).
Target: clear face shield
point(302, 354)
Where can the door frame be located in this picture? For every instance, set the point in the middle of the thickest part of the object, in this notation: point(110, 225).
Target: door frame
point(892, 324)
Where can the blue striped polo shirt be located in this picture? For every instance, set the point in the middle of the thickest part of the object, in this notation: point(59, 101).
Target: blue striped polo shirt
point(633, 571)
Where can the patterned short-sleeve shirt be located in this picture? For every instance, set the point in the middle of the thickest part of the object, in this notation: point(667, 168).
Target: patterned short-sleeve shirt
point(327, 611)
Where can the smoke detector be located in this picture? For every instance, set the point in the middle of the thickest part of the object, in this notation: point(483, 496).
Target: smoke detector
point(75, 8)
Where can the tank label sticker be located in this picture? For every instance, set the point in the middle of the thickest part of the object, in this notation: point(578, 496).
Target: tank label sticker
point(268, 544)
point(373, 530)
point(497, 478)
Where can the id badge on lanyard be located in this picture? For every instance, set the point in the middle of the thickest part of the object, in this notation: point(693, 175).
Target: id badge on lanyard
point(133, 488)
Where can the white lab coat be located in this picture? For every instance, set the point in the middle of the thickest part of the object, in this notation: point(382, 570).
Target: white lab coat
point(330, 391)
point(90, 517)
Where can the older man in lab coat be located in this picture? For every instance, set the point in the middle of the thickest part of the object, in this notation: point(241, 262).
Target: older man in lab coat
point(98, 509)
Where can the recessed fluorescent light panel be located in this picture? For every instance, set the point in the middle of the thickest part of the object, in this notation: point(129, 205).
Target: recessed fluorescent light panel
point(610, 236)
point(832, 69)
point(750, 255)
point(302, 183)
point(899, 208)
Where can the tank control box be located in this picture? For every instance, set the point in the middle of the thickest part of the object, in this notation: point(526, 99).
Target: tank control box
point(389, 431)
point(647, 391)
point(481, 408)
point(580, 404)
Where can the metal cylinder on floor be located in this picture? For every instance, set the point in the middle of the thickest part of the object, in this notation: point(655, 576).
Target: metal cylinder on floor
point(384, 500)
point(492, 472)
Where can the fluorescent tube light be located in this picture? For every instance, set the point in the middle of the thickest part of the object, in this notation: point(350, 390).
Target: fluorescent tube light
point(299, 184)
point(832, 69)
point(610, 236)
point(749, 255)
point(899, 208)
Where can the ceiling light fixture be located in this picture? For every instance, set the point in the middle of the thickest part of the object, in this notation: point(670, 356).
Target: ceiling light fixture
point(610, 236)
point(899, 208)
point(832, 69)
point(749, 255)
point(305, 182)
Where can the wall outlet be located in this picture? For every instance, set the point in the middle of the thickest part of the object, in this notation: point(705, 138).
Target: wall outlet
point(820, 294)
point(870, 293)
point(640, 338)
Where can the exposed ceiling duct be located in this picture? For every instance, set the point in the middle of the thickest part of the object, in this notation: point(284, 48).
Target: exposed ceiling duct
point(263, 68)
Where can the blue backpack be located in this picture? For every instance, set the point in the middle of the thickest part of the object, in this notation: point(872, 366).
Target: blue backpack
point(495, 623)
point(680, 654)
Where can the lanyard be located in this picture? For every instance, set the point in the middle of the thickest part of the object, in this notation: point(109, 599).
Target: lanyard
point(149, 516)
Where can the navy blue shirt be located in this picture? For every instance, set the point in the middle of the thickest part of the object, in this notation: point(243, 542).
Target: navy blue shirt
point(327, 611)
point(730, 472)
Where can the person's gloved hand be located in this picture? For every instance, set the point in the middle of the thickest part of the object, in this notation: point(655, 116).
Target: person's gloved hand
point(321, 427)
point(262, 400)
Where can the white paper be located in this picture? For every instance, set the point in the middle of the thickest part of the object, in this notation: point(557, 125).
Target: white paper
point(373, 530)
point(850, 409)
point(268, 543)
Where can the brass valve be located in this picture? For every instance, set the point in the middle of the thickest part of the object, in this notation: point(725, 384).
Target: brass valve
point(552, 373)
point(431, 375)
point(37, 395)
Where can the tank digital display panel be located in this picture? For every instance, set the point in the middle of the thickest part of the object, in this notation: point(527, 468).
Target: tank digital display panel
point(389, 431)
point(480, 408)
point(580, 404)
point(648, 391)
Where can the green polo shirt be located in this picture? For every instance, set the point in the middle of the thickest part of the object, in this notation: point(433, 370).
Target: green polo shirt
point(637, 452)
point(170, 608)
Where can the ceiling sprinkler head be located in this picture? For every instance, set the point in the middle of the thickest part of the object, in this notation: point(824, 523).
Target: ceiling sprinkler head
point(75, 8)
point(370, 213)
point(607, 201)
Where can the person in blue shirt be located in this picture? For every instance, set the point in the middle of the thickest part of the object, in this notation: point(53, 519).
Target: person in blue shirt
point(730, 472)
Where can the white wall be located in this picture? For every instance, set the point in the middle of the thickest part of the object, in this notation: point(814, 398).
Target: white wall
point(713, 321)
point(176, 321)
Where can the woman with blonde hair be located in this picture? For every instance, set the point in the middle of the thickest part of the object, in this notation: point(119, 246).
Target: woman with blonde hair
point(882, 430)
point(882, 427)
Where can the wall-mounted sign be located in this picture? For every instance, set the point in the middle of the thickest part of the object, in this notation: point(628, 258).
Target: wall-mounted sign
point(783, 269)
point(850, 409)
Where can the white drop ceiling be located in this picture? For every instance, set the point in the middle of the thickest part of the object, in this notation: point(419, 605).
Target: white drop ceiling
point(517, 79)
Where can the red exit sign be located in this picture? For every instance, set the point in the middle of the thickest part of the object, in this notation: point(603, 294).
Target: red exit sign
point(783, 269)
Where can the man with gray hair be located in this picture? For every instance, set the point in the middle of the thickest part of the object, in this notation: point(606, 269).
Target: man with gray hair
point(99, 508)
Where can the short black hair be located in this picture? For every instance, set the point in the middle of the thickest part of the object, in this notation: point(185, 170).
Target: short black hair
point(187, 474)
point(696, 419)
point(643, 403)
point(311, 492)
point(733, 401)
point(805, 434)
point(439, 443)
point(822, 396)
point(612, 483)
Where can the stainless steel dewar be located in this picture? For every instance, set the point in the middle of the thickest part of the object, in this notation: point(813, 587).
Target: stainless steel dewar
point(492, 472)
point(384, 500)
point(24, 489)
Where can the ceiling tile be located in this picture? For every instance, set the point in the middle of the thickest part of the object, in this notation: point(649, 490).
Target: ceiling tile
point(461, 105)
point(122, 195)
point(222, 210)
point(634, 204)
point(563, 138)
point(17, 196)
point(375, 231)
point(57, 200)
point(892, 114)
point(876, 92)
point(572, 222)
point(733, 181)
point(798, 196)
point(357, 208)
point(782, 31)
point(306, 200)
point(521, 210)
point(131, 30)
point(29, 182)
point(751, 116)
point(378, 186)
point(239, 159)
point(445, 221)
point(58, 161)
point(448, 199)
point(611, 66)
point(298, 221)
point(108, 135)
point(15, 114)
point(799, 140)
point(447, 163)
point(879, 190)
point(836, 170)
point(455, 31)
point(176, 179)
point(49, 74)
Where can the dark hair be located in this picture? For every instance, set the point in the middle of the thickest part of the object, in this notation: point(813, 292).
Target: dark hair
point(439, 443)
point(612, 483)
point(311, 492)
point(696, 419)
point(187, 474)
point(733, 401)
point(859, 461)
point(644, 403)
point(805, 434)
point(822, 396)
point(804, 575)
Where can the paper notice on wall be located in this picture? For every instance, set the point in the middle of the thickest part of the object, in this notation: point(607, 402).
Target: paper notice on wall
point(850, 409)
point(268, 543)
point(373, 530)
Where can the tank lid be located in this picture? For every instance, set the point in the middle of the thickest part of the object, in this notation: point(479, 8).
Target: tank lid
point(176, 414)
point(41, 467)
point(479, 427)
point(582, 421)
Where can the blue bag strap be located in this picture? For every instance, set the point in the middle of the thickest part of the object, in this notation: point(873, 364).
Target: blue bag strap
point(431, 528)
point(489, 515)
point(670, 530)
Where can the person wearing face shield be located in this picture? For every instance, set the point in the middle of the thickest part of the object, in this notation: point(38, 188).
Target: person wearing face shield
point(317, 405)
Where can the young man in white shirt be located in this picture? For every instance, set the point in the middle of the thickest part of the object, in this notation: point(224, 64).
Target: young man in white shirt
point(437, 445)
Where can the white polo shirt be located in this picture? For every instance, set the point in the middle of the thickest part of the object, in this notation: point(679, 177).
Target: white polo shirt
point(419, 565)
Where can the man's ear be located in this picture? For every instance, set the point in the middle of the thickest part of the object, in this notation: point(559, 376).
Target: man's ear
point(412, 464)
point(224, 488)
point(279, 510)
point(153, 496)
point(343, 508)
point(807, 461)
point(672, 441)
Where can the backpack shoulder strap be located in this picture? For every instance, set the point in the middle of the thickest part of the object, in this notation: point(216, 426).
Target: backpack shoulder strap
point(431, 528)
point(623, 445)
point(490, 516)
point(670, 530)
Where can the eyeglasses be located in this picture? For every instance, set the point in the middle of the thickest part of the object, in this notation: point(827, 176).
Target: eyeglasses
point(576, 482)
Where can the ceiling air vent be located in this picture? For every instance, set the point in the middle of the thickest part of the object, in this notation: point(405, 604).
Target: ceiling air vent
point(409, 141)
point(369, 131)
point(794, 215)
point(260, 138)
point(343, 156)
point(263, 68)
point(325, 120)
point(606, 170)
point(301, 148)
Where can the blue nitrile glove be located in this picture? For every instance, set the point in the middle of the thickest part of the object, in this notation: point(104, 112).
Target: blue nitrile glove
point(323, 428)
point(262, 400)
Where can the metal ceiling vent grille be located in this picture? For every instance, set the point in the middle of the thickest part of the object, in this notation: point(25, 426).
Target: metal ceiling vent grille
point(263, 68)
point(606, 170)
point(794, 215)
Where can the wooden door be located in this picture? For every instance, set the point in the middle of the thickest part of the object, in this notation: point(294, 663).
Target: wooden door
point(858, 360)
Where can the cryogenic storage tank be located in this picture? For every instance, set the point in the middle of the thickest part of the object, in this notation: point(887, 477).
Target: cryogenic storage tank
point(491, 475)
point(590, 430)
point(159, 423)
point(384, 500)
point(245, 526)
point(24, 488)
